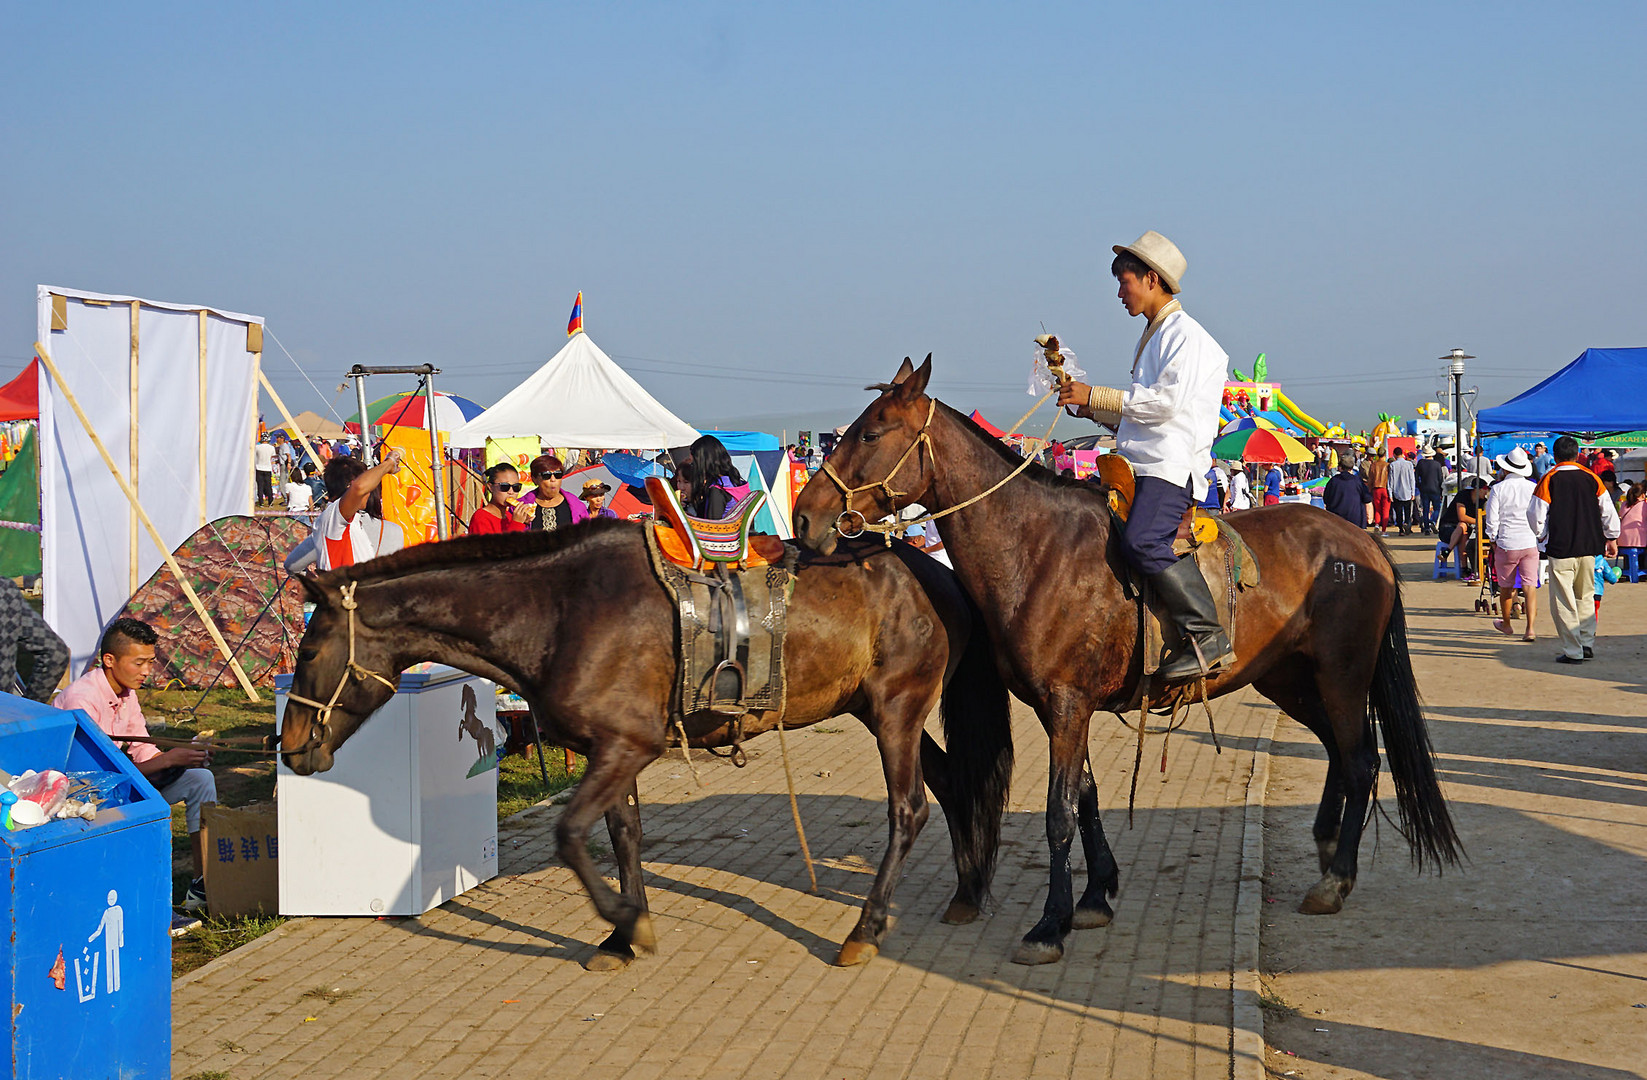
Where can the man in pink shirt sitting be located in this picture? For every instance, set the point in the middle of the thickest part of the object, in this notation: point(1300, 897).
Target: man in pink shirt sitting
point(108, 694)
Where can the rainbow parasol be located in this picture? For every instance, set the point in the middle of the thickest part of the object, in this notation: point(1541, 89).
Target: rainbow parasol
point(1260, 444)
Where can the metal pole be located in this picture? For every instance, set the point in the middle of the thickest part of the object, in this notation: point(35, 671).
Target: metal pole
point(437, 460)
point(365, 424)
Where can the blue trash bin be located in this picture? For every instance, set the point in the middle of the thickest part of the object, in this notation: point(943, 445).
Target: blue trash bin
point(86, 942)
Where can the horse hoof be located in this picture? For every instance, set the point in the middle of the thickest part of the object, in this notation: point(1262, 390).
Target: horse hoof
point(1092, 918)
point(642, 936)
point(959, 913)
point(607, 961)
point(1031, 953)
point(1325, 898)
point(854, 953)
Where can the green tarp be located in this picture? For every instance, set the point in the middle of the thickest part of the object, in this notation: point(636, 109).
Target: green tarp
point(20, 505)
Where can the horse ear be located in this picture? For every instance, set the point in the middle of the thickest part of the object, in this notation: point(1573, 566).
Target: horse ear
point(905, 370)
point(915, 385)
point(311, 589)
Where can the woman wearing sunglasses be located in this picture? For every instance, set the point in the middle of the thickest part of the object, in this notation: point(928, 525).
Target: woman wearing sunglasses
point(551, 508)
point(503, 512)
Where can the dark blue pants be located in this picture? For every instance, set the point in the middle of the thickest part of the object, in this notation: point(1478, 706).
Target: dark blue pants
point(1157, 508)
point(1430, 507)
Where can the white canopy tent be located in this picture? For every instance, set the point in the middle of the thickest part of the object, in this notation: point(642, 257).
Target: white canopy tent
point(580, 399)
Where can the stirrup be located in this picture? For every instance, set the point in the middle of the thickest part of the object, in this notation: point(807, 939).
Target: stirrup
point(1204, 668)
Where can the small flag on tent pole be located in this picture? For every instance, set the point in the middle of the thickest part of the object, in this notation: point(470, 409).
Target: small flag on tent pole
point(575, 323)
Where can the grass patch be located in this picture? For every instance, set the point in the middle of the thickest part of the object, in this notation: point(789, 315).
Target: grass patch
point(520, 783)
point(210, 1074)
point(1275, 1005)
point(331, 995)
point(216, 936)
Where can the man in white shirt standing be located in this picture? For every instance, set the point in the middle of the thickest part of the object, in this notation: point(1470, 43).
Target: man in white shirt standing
point(263, 463)
point(1515, 545)
point(1165, 424)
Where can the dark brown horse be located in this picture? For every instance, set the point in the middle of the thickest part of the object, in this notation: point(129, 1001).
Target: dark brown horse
point(1324, 637)
point(576, 623)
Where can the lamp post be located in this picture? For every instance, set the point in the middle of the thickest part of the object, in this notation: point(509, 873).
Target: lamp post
point(1455, 371)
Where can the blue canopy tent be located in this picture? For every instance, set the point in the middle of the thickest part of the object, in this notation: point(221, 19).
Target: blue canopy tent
point(746, 442)
point(1597, 394)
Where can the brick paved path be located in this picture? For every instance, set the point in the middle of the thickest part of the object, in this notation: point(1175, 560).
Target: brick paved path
point(490, 984)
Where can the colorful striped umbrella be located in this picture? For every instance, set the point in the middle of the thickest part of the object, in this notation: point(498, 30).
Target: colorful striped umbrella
point(1247, 423)
point(1260, 444)
point(407, 410)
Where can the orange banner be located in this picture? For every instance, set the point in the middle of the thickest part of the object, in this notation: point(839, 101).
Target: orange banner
point(409, 495)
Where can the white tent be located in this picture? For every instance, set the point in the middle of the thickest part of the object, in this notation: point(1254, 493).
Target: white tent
point(580, 399)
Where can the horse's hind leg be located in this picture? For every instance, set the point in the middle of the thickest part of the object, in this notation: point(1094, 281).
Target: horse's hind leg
point(1330, 814)
point(971, 888)
point(1355, 750)
point(1293, 689)
point(1103, 875)
point(898, 732)
point(623, 825)
point(610, 775)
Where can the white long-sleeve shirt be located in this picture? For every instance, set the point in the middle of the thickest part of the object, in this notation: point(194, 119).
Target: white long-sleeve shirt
point(1169, 417)
point(1507, 524)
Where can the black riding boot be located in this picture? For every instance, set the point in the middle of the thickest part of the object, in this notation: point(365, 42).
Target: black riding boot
point(1189, 604)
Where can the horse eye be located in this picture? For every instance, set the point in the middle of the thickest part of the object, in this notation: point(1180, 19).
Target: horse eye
point(869, 436)
point(305, 656)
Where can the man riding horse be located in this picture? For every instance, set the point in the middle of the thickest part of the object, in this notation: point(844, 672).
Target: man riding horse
point(1164, 427)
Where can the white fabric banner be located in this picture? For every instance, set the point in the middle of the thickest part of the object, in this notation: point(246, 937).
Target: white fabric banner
point(85, 520)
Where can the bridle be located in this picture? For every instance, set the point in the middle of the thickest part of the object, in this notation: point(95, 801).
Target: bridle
point(921, 437)
point(319, 727)
point(892, 494)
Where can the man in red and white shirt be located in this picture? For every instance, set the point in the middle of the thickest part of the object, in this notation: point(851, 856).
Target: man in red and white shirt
point(108, 694)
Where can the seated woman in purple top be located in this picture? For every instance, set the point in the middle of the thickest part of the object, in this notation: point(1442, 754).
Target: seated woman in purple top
point(715, 483)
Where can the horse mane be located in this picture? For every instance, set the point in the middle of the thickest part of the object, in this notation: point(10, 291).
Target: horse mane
point(1037, 472)
point(468, 550)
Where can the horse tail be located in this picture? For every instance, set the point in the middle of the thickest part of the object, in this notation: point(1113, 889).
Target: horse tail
point(978, 741)
point(1394, 705)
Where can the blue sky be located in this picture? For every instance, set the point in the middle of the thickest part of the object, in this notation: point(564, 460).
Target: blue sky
point(768, 206)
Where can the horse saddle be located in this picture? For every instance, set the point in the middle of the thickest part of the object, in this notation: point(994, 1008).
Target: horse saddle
point(1223, 557)
point(1198, 527)
point(731, 613)
point(691, 542)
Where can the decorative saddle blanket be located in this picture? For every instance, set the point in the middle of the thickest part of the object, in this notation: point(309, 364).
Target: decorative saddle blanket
point(729, 633)
point(691, 542)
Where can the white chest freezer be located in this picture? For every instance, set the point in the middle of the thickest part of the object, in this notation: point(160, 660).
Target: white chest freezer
point(406, 817)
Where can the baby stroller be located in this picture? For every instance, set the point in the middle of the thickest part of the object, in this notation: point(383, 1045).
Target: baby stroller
point(1487, 601)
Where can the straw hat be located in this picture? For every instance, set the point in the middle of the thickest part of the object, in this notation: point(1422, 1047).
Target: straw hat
point(1159, 254)
point(1515, 462)
point(594, 487)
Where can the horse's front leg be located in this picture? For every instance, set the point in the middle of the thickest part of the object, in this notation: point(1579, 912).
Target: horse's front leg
point(898, 733)
point(613, 765)
point(1066, 724)
point(623, 825)
point(1103, 875)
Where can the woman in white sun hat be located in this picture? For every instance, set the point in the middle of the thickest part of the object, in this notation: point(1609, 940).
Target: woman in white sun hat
point(1515, 546)
point(1165, 423)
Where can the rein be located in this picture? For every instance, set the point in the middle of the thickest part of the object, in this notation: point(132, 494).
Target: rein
point(886, 530)
point(318, 729)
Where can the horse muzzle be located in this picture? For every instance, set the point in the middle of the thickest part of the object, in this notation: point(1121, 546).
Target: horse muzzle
point(819, 538)
point(309, 760)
